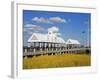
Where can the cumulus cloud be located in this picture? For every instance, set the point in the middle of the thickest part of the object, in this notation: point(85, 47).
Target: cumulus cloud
point(53, 29)
point(58, 34)
point(57, 19)
point(34, 27)
point(41, 20)
point(49, 20)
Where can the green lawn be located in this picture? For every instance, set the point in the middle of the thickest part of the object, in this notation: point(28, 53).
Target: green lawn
point(54, 61)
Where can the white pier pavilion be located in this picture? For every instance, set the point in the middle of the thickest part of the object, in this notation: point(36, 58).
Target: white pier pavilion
point(51, 43)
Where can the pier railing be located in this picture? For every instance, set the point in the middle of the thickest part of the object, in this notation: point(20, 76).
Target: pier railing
point(33, 51)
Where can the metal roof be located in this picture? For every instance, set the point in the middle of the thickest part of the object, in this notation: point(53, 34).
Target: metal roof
point(38, 37)
point(72, 41)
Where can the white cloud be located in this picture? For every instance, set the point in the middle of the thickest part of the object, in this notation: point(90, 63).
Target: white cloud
point(53, 29)
point(57, 19)
point(49, 20)
point(41, 20)
point(58, 34)
point(34, 27)
point(29, 25)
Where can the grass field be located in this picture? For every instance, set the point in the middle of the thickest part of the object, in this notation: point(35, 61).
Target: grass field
point(54, 61)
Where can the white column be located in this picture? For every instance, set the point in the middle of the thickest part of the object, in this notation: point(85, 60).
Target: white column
point(52, 46)
point(34, 49)
point(45, 44)
point(25, 50)
point(60, 46)
point(56, 46)
point(41, 46)
point(49, 45)
point(38, 44)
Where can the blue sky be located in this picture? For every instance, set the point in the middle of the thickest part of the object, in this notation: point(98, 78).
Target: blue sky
point(70, 24)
